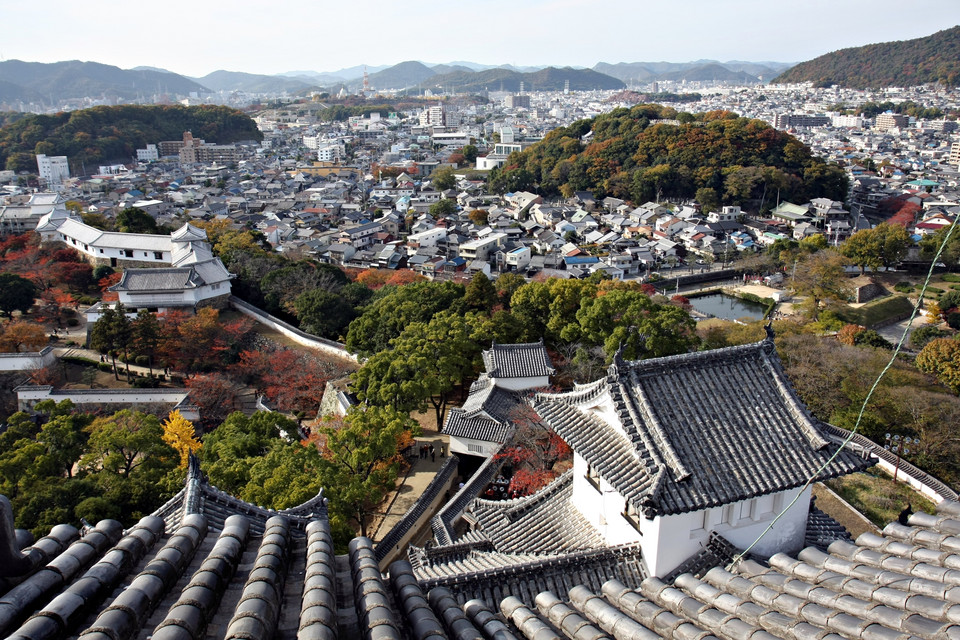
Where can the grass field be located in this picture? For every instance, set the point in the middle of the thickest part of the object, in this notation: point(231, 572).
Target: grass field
point(874, 494)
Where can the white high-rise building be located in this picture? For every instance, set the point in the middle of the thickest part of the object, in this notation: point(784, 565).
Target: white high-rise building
point(53, 169)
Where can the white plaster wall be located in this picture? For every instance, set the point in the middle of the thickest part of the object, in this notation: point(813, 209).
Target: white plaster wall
point(670, 540)
point(462, 445)
point(27, 361)
point(519, 384)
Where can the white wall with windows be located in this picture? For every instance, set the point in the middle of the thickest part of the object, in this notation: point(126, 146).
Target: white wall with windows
point(669, 540)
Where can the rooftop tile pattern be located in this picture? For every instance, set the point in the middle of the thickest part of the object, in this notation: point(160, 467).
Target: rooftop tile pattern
point(525, 360)
point(702, 429)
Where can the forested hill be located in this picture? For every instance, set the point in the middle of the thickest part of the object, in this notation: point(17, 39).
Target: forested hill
point(716, 157)
point(104, 134)
point(905, 63)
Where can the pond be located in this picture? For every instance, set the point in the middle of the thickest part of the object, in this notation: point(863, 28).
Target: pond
point(721, 305)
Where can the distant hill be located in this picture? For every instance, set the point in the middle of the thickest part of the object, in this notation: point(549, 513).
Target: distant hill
point(450, 68)
point(548, 79)
point(935, 58)
point(626, 71)
point(105, 134)
point(252, 83)
point(707, 73)
point(698, 71)
point(401, 76)
point(59, 81)
point(715, 157)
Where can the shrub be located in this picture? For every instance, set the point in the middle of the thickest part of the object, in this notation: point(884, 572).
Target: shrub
point(934, 290)
point(73, 322)
point(953, 320)
point(143, 361)
point(903, 287)
point(922, 335)
point(870, 338)
point(105, 366)
point(145, 383)
point(87, 300)
point(950, 277)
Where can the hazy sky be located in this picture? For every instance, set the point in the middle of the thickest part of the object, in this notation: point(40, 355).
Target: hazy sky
point(199, 36)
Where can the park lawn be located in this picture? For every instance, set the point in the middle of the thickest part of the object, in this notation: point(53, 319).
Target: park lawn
point(877, 312)
point(874, 494)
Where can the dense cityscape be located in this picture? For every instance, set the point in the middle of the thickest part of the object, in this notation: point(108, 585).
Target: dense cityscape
point(461, 351)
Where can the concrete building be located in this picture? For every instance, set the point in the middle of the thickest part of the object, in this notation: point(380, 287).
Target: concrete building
point(886, 121)
point(53, 170)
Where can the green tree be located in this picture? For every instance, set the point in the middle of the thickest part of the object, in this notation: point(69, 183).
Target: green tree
point(389, 315)
point(230, 451)
point(821, 277)
point(708, 199)
point(443, 179)
point(145, 335)
point(631, 320)
point(530, 307)
point(123, 442)
point(288, 475)
point(443, 208)
point(480, 294)
point(323, 313)
point(133, 220)
point(424, 365)
point(883, 246)
point(111, 333)
point(16, 294)
point(360, 459)
point(929, 245)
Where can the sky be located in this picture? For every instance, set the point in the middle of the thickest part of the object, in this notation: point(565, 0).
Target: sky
point(197, 37)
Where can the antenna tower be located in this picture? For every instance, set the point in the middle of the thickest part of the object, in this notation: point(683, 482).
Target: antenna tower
point(366, 81)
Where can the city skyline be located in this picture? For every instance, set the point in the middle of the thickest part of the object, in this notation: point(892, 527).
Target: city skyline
point(197, 38)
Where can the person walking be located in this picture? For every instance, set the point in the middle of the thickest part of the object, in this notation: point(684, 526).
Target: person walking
point(433, 455)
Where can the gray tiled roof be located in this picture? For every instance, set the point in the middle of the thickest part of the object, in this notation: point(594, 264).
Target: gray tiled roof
point(517, 360)
point(700, 430)
point(486, 415)
point(199, 579)
point(158, 280)
point(544, 523)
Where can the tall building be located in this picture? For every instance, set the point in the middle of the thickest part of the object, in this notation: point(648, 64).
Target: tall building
point(433, 116)
point(518, 101)
point(955, 155)
point(787, 120)
point(53, 169)
point(886, 121)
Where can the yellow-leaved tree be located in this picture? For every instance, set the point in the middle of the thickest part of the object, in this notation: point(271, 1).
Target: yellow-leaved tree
point(178, 432)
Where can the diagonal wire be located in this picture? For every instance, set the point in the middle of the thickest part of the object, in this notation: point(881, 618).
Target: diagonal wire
point(743, 554)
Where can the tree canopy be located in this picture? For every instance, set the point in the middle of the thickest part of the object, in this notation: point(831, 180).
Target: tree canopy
point(727, 159)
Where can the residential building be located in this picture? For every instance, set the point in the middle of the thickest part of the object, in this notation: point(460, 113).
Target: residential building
point(150, 154)
point(885, 121)
point(53, 170)
point(790, 120)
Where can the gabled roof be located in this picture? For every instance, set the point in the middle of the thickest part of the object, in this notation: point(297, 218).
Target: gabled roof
point(698, 430)
point(517, 360)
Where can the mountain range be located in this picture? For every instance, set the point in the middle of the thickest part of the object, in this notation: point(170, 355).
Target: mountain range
point(56, 83)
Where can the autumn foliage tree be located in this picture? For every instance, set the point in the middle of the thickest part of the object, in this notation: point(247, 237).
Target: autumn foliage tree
point(178, 432)
point(941, 357)
point(22, 336)
point(534, 451)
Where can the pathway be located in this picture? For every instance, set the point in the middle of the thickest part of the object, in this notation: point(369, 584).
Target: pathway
point(420, 475)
